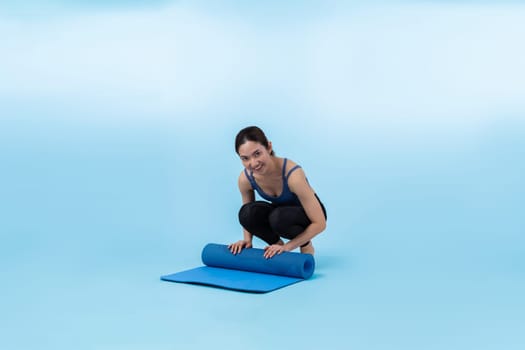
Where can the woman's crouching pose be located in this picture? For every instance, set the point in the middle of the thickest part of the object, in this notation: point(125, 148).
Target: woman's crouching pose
point(292, 209)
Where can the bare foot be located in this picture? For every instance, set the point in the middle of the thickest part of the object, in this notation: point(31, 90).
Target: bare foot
point(309, 249)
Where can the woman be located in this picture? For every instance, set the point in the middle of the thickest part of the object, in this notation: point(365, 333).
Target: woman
point(292, 209)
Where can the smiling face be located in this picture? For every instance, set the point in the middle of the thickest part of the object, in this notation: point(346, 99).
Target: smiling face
point(255, 157)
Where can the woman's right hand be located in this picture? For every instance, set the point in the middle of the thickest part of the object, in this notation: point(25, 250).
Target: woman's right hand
point(238, 246)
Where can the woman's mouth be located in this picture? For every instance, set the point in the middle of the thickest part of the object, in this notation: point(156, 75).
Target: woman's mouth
point(258, 167)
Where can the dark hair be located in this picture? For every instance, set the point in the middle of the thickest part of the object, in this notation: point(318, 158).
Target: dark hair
point(251, 133)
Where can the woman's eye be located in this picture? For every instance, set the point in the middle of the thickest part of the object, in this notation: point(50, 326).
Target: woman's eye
point(257, 154)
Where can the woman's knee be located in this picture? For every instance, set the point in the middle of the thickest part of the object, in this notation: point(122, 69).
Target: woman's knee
point(288, 221)
point(254, 212)
point(244, 213)
point(275, 220)
point(279, 220)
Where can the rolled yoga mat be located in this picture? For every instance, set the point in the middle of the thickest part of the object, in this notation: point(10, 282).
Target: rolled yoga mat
point(247, 271)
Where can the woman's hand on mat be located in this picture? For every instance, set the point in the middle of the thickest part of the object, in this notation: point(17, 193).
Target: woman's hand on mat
point(236, 247)
point(272, 250)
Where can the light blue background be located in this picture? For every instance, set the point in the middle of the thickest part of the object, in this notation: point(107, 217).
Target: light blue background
point(117, 165)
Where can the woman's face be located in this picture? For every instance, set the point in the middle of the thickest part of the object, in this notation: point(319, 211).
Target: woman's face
point(255, 157)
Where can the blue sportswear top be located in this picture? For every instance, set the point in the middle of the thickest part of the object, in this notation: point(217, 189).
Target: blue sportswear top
point(287, 197)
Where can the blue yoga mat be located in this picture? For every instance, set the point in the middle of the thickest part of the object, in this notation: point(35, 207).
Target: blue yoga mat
point(247, 271)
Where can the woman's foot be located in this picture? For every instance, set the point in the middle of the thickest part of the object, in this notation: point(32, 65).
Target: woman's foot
point(308, 249)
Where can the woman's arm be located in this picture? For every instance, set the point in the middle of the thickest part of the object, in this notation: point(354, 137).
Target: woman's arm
point(299, 185)
point(248, 196)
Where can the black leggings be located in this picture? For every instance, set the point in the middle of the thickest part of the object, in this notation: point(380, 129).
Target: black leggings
point(270, 222)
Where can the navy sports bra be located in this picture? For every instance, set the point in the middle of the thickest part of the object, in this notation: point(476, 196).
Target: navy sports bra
point(287, 197)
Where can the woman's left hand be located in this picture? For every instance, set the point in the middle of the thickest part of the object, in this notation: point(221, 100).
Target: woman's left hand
point(271, 250)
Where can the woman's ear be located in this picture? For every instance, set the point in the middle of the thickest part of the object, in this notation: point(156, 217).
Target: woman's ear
point(270, 149)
